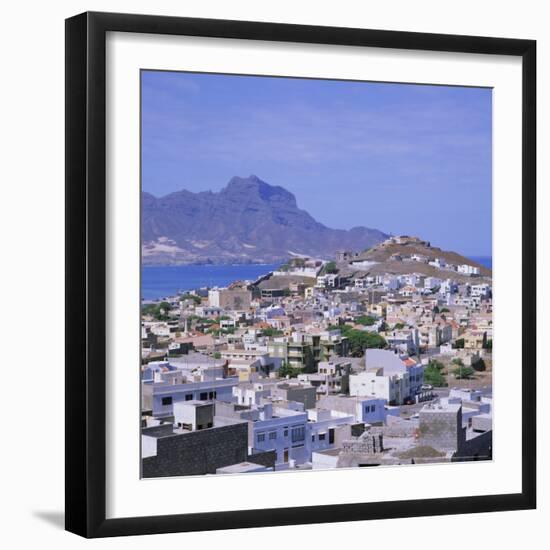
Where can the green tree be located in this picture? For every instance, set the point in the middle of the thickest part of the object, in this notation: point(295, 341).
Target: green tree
point(489, 344)
point(433, 374)
point(157, 311)
point(148, 309)
point(271, 332)
point(459, 343)
point(194, 297)
point(207, 321)
point(398, 326)
point(365, 320)
point(330, 267)
point(360, 340)
point(436, 364)
point(217, 355)
point(479, 365)
point(286, 370)
point(463, 373)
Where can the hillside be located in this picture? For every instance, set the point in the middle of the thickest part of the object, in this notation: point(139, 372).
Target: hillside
point(247, 221)
point(384, 260)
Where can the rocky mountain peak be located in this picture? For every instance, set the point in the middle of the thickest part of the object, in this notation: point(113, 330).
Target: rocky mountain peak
point(249, 220)
point(253, 188)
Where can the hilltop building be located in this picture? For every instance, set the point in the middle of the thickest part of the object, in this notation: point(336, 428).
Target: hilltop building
point(230, 299)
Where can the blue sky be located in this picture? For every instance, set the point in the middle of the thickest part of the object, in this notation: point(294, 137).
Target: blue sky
point(405, 159)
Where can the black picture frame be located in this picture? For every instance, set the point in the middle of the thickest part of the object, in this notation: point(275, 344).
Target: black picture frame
point(86, 274)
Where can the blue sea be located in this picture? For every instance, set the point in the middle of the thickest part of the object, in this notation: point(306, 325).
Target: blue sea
point(486, 261)
point(162, 281)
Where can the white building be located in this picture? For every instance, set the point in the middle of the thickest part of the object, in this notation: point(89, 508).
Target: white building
point(370, 410)
point(160, 397)
point(285, 432)
point(419, 258)
point(251, 394)
point(482, 290)
point(388, 377)
point(432, 282)
point(208, 311)
point(475, 403)
point(448, 286)
point(330, 280)
point(404, 340)
point(194, 415)
point(363, 282)
point(412, 279)
point(321, 428)
point(468, 269)
point(391, 282)
point(271, 428)
point(440, 263)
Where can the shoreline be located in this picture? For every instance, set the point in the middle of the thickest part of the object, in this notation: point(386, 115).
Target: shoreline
point(159, 282)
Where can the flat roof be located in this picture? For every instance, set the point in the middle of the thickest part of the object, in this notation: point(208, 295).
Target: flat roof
point(328, 452)
point(194, 403)
point(441, 407)
point(241, 467)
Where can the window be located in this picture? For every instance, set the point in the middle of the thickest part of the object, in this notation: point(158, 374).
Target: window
point(212, 395)
point(367, 409)
point(331, 436)
point(188, 396)
point(166, 401)
point(286, 431)
point(373, 408)
point(322, 437)
point(312, 438)
point(273, 435)
point(203, 396)
point(261, 438)
point(298, 434)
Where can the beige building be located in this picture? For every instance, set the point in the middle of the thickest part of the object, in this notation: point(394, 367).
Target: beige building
point(475, 339)
point(234, 298)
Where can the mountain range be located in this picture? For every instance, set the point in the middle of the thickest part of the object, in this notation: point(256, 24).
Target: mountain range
point(248, 221)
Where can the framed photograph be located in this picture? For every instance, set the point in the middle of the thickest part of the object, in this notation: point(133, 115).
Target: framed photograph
point(300, 278)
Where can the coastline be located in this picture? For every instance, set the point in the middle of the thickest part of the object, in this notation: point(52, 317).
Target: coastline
point(167, 280)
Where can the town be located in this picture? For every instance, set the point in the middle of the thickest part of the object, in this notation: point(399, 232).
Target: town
point(381, 357)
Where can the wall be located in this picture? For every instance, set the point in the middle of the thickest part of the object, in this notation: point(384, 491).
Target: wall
point(265, 458)
point(477, 448)
point(441, 429)
point(31, 214)
point(199, 452)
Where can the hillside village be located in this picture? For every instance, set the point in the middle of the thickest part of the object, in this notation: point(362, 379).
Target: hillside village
point(381, 357)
